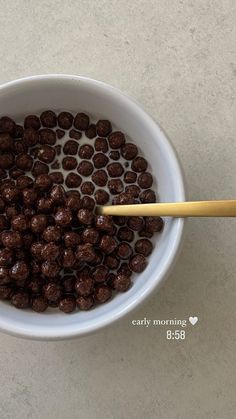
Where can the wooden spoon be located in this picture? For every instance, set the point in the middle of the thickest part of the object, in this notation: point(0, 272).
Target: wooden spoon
point(224, 208)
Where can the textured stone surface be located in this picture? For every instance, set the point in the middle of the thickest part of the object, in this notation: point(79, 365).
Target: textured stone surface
point(177, 57)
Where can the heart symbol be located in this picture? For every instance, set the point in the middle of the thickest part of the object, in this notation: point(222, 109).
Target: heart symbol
point(193, 320)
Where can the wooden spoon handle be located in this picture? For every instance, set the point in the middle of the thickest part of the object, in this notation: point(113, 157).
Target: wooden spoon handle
point(224, 208)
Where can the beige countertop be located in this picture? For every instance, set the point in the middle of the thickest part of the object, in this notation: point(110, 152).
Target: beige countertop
point(178, 58)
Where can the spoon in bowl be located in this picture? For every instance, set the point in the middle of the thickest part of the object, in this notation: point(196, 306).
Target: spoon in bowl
point(223, 208)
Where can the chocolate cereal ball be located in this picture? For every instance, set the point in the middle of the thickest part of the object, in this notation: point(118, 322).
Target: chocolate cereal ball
point(43, 182)
point(11, 211)
point(36, 249)
point(87, 188)
point(39, 168)
point(121, 283)
point(10, 194)
point(125, 234)
point(101, 145)
point(133, 190)
point(71, 239)
point(124, 270)
point(139, 164)
point(45, 205)
point(101, 197)
point(103, 222)
point(81, 121)
point(23, 182)
point(6, 183)
point(52, 291)
point(6, 161)
point(50, 269)
point(65, 120)
point(60, 133)
point(100, 160)
point(24, 161)
point(145, 180)
point(73, 201)
point(73, 180)
point(116, 139)
point(67, 258)
point(38, 223)
point(135, 223)
point(86, 151)
point(100, 273)
point(123, 199)
point(85, 216)
point(5, 292)
point(148, 196)
point(115, 169)
point(19, 223)
point(75, 134)
point(115, 186)
point(138, 263)
point(144, 247)
point(48, 119)
point(63, 217)
point(71, 147)
point(57, 194)
point(108, 244)
point(30, 137)
point(6, 142)
point(90, 235)
point(103, 127)
point(19, 271)
point(85, 168)
point(46, 154)
point(18, 131)
point(50, 251)
point(84, 286)
point(67, 304)
point(32, 121)
point(57, 177)
point(91, 131)
point(129, 151)
point(69, 163)
point(85, 303)
point(20, 299)
point(124, 250)
point(29, 196)
point(85, 253)
point(47, 136)
point(102, 294)
point(11, 239)
point(7, 125)
point(6, 257)
point(111, 261)
point(114, 155)
point(154, 224)
point(99, 177)
point(52, 234)
point(39, 304)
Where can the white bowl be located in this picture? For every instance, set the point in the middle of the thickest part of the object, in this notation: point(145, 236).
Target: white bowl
point(74, 93)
